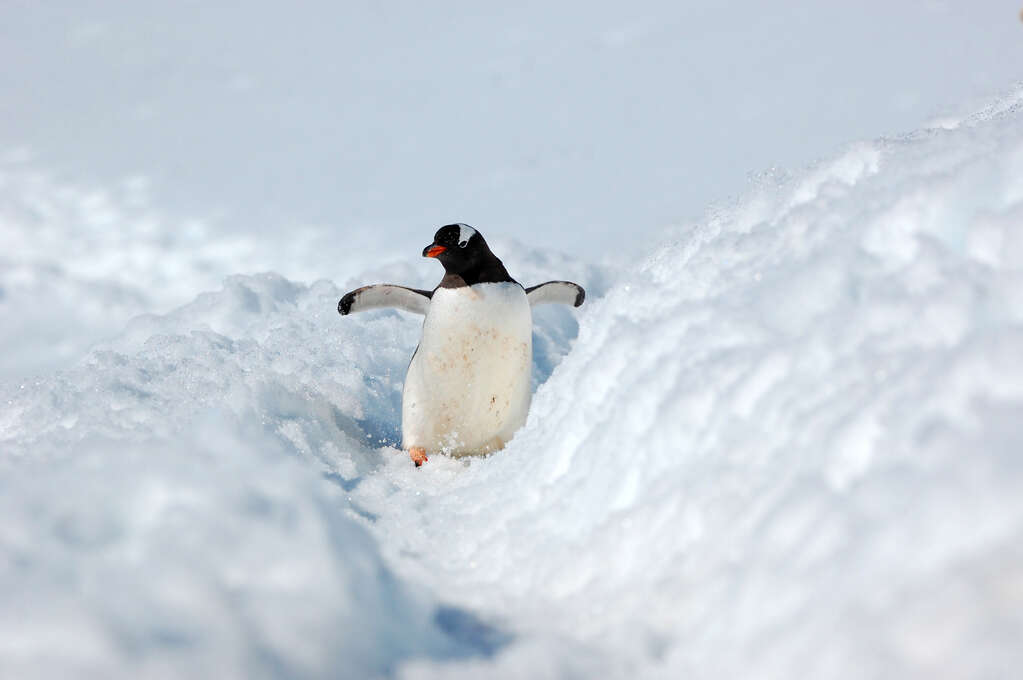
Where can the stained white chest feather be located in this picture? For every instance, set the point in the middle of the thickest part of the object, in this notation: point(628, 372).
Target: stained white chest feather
point(468, 385)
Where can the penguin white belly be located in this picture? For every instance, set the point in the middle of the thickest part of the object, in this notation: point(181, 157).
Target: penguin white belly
point(467, 388)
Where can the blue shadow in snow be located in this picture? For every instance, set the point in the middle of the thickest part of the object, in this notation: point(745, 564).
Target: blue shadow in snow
point(471, 633)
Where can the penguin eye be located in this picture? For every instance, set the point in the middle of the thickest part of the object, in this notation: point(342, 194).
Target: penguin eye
point(462, 244)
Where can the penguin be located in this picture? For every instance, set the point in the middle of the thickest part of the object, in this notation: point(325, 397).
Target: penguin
point(467, 389)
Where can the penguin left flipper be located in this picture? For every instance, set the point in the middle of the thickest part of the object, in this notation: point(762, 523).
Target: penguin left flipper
point(385, 295)
point(556, 292)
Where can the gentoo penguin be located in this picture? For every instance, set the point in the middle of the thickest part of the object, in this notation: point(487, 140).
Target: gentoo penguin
point(467, 386)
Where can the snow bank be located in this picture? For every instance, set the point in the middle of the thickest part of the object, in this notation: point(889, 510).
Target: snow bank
point(91, 258)
point(80, 261)
point(177, 503)
point(784, 444)
point(214, 556)
point(787, 446)
point(162, 517)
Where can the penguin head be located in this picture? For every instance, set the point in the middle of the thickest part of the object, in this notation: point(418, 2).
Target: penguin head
point(460, 248)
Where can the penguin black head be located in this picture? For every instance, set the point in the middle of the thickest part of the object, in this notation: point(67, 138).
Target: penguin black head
point(464, 253)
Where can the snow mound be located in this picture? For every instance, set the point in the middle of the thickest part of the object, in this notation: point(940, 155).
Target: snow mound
point(165, 513)
point(212, 556)
point(787, 446)
point(177, 503)
point(91, 258)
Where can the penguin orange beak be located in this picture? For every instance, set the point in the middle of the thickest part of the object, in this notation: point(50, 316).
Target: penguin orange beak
point(433, 250)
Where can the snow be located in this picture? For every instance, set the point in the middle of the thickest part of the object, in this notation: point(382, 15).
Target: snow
point(575, 122)
point(777, 450)
point(778, 440)
point(211, 556)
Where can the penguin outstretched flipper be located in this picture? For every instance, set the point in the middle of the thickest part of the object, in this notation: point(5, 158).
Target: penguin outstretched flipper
point(385, 295)
point(556, 292)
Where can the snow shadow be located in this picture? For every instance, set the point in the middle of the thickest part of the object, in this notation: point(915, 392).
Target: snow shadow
point(476, 636)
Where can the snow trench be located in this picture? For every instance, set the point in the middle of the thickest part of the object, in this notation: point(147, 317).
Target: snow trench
point(784, 444)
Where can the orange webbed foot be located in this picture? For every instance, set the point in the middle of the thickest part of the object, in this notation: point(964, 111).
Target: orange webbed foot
point(418, 454)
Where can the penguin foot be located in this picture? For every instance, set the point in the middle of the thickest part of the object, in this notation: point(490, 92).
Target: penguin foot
point(418, 454)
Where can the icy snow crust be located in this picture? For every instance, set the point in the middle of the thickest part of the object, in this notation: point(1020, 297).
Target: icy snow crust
point(784, 445)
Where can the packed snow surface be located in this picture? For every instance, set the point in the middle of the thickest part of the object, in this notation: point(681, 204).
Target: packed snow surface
point(785, 442)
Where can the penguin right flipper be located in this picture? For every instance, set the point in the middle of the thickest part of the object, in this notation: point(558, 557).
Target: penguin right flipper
point(556, 292)
point(385, 295)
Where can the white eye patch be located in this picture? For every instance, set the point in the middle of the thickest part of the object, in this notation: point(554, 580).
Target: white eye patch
point(465, 233)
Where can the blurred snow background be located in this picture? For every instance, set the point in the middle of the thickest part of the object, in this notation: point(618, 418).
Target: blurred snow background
point(781, 438)
point(150, 149)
